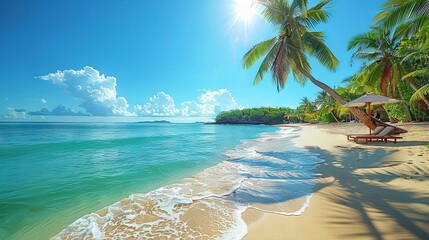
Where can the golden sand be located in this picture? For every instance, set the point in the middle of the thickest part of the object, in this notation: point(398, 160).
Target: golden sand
point(366, 191)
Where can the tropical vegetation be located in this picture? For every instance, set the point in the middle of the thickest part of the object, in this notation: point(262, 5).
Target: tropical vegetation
point(262, 115)
point(394, 54)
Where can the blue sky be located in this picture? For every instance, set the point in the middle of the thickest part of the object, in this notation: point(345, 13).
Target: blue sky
point(169, 59)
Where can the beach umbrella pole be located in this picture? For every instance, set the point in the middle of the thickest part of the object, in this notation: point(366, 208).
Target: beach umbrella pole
point(368, 107)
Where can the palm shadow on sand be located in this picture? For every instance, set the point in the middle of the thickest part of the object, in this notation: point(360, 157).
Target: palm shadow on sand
point(367, 193)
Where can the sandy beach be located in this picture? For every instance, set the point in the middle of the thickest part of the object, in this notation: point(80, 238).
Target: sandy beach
point(365, 191)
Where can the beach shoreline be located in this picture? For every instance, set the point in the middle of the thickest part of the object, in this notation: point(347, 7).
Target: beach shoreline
point(365, 191)
point(263, 173)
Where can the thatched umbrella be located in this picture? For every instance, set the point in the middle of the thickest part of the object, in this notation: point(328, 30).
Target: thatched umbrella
point(368, 100)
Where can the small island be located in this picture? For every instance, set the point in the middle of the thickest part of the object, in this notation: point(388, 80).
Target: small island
point(254, 116)
point(157, 121)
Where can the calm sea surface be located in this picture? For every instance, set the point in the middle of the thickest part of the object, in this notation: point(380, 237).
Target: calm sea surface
point(54, 173)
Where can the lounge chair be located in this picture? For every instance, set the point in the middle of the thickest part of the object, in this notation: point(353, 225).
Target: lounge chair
point(376, 131)
point(383, 135)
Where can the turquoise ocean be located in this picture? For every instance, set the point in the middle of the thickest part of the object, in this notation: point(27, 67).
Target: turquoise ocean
point(71, 180)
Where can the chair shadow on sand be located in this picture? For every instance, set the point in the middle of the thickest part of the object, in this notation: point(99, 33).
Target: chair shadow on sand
point(364, 189)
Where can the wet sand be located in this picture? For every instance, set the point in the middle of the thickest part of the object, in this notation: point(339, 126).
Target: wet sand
point(365, 191)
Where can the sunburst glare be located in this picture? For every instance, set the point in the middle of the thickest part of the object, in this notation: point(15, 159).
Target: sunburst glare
point(244, 12)
point(245, 9)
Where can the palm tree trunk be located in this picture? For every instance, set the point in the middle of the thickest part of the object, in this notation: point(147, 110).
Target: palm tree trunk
point(359, 114)
point(415, 88)
point(333, 115)
point(407, 109)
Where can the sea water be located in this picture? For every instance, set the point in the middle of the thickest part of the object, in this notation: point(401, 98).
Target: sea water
point(146, 180)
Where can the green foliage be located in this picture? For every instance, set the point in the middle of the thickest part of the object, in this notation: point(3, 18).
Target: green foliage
point(407, 15)
point(288, 52)
point(385, 69)
point(326, 118)
point(323, 109)
point(395, 51)
point(415, 52)
point(396, 112)
point(262, 115)
point(397, 66)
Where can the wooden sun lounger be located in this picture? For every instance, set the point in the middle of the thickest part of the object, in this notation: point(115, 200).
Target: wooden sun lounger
point(382, 135)
point(376, 131)
point(376, 138)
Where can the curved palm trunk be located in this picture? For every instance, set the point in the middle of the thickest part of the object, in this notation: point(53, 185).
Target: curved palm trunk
point(359, 114)
point(415, 88)
point(333, 115)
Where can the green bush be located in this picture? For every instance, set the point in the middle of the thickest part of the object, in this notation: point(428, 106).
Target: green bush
point(262, 115)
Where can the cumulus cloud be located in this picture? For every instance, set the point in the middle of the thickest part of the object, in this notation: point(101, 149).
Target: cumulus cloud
point(214, 102)
point(191, 109)
point(13, 113)
point(58, 111)
point(209, 103)
point(97, 91)
point(161, 104)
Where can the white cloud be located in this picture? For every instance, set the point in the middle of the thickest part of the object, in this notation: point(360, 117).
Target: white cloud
point(160, 104)
point(214, 102)
point(209, 103)
point(58, 111)
point(13, 113)
point(98, 96)
point(191, 109)
point(97, 91)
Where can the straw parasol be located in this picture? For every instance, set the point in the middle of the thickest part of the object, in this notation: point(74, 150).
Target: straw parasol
point(370, 99)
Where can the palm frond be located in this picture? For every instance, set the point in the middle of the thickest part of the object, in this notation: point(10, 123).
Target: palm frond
point(369, 56)
point(266, 63)
point(315, 46)
point(315, 15)
point(396, 11)
point(367, 79)
point(257, 52)
point(367, 40)
point(299, 7)
point(417, 73)
point(275, 11)
point(277, 67)
point(419, 94)
point(313, 18)
point(409, 28)
point(322, 4)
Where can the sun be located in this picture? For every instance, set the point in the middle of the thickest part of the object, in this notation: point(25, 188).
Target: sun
point(245, 9)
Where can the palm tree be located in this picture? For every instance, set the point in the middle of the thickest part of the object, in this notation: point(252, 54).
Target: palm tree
point(408, 15)
point(326, 104)
point(308, 108)
point(288, 51)
point(384, 70)
point(416, 54)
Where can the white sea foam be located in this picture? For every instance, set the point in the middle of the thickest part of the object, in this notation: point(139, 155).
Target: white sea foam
point(269, 174)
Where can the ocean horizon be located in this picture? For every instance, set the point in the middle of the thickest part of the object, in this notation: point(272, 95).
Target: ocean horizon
point(80, 179)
